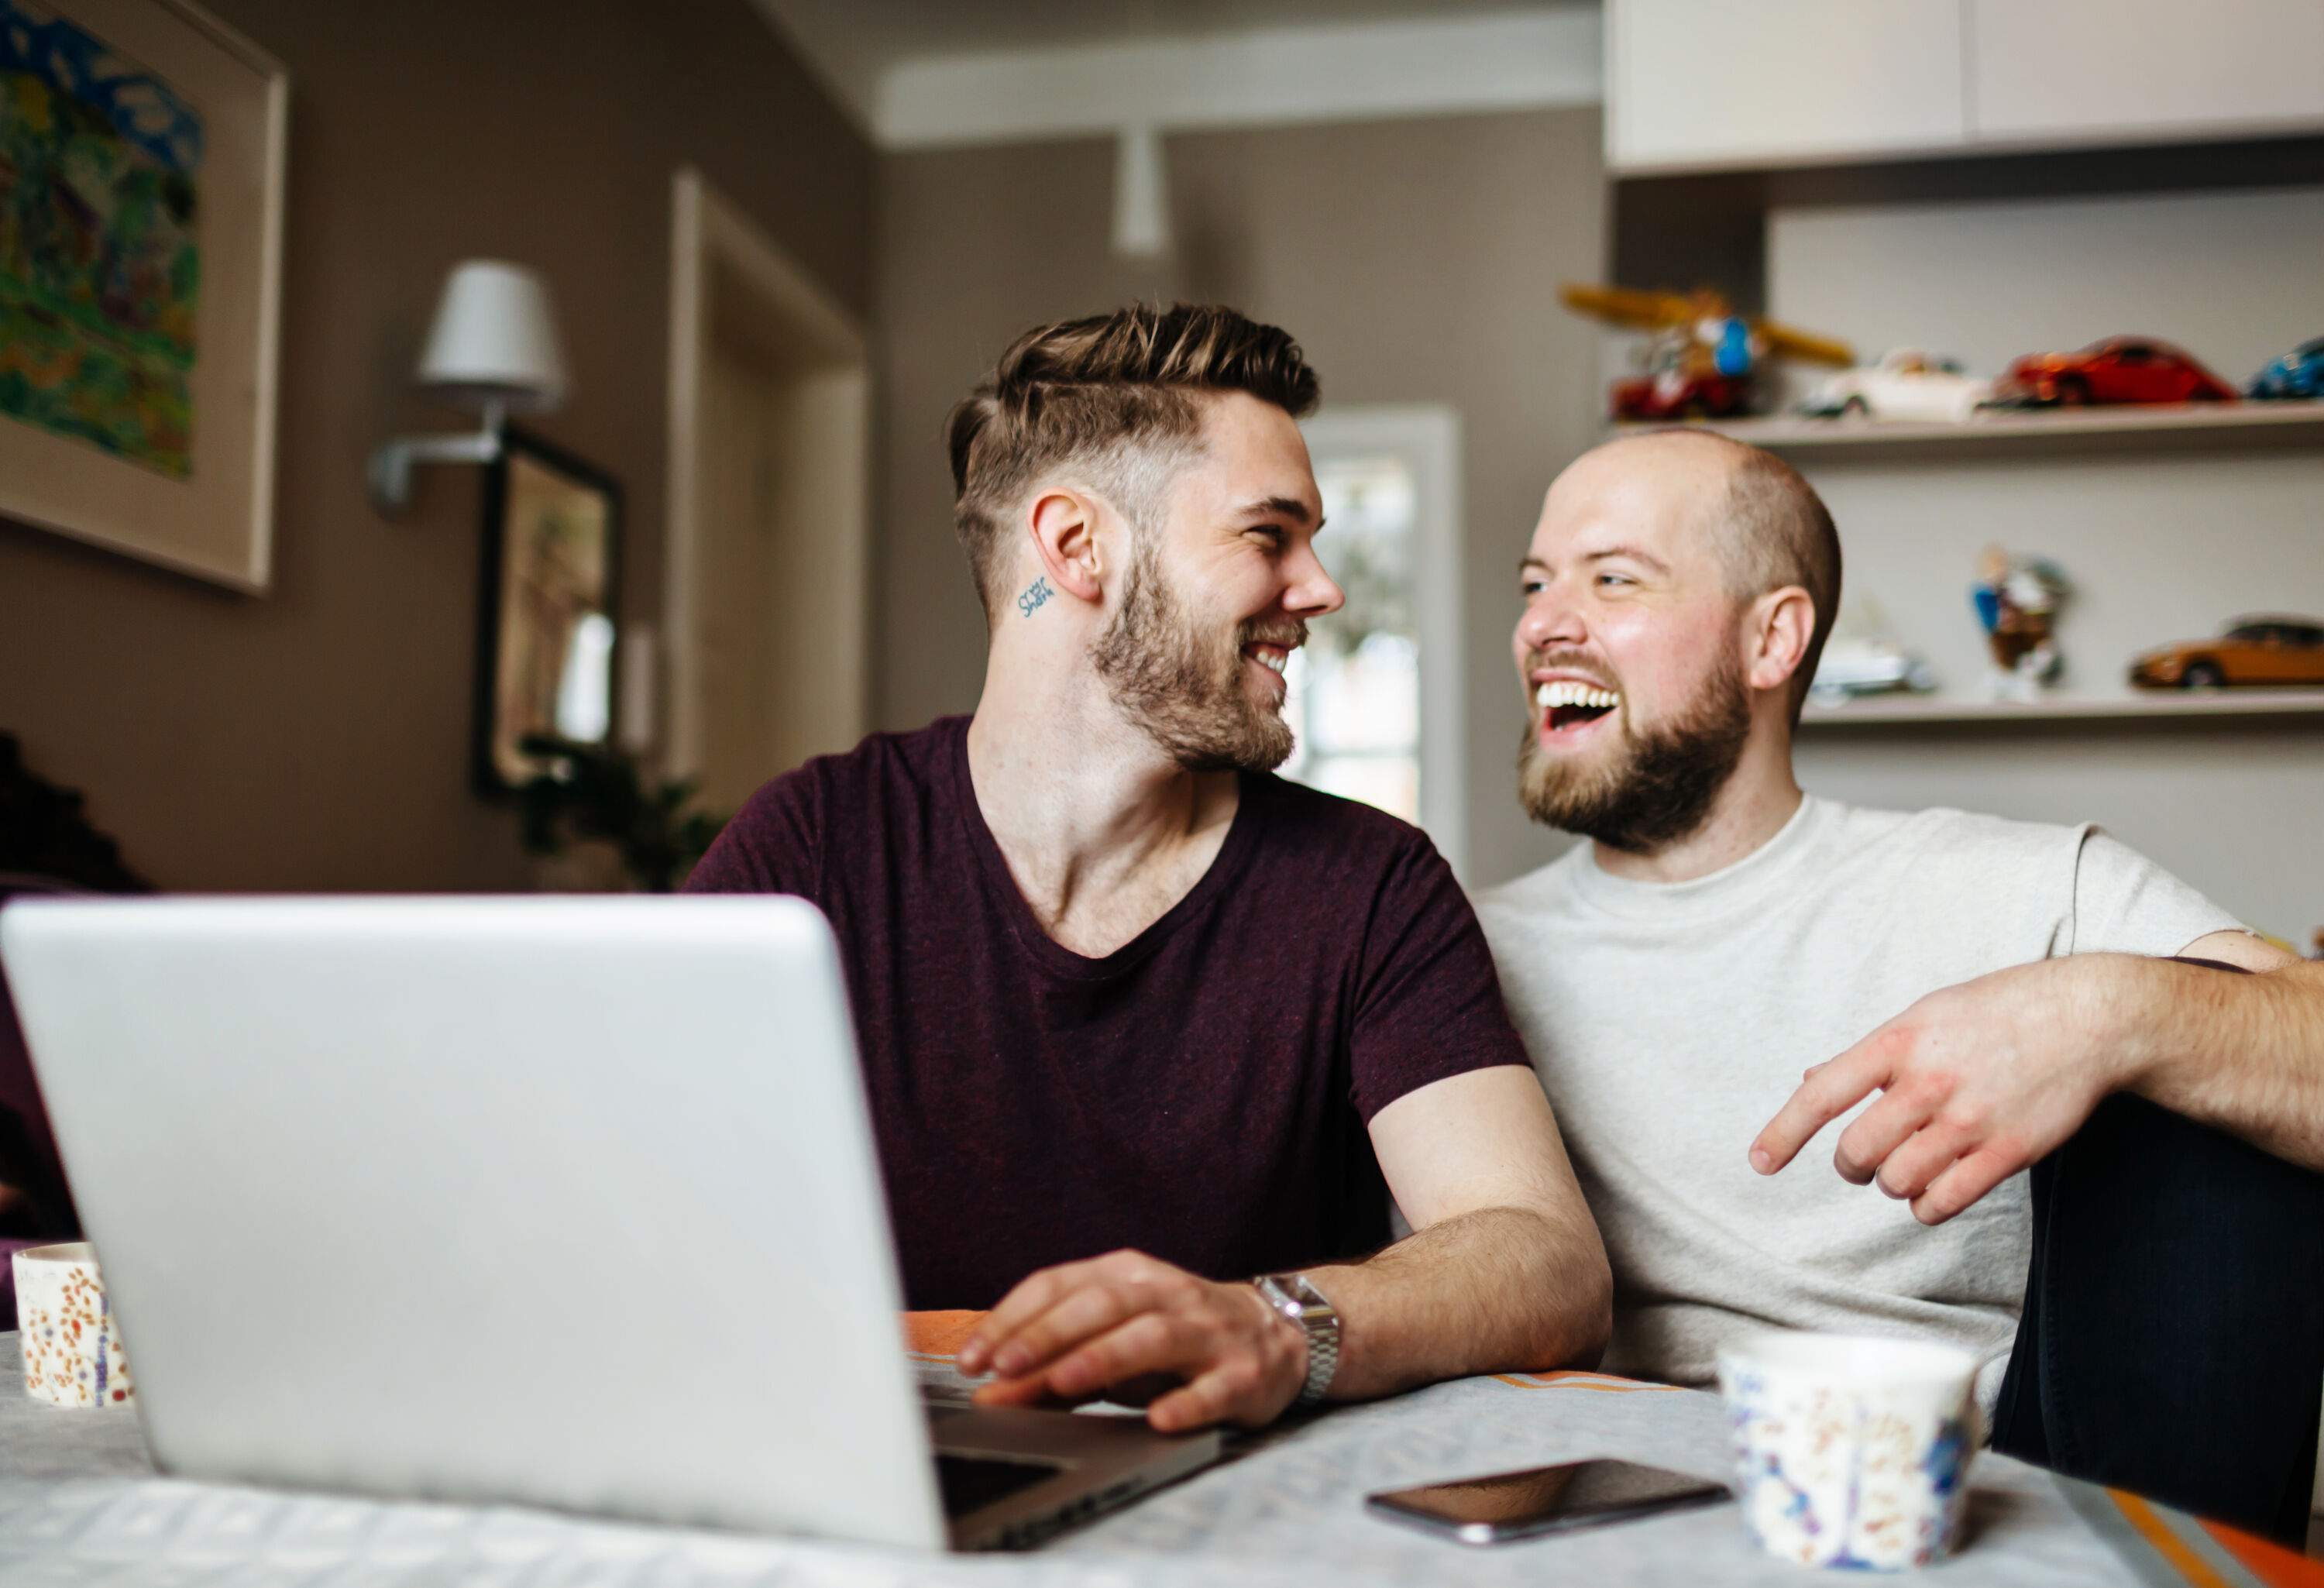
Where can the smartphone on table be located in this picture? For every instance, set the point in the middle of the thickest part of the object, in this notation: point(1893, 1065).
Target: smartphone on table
point(1503, 1506)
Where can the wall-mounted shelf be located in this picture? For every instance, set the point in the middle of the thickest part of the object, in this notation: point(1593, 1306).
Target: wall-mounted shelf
point(2160, 705)
point(2144, 428)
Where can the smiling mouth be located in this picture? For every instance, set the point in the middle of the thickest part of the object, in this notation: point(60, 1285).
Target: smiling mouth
point(1567, 706)
point(1274, 658)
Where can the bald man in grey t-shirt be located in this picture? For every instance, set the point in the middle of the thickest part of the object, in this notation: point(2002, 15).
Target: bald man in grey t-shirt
point(1726, 966)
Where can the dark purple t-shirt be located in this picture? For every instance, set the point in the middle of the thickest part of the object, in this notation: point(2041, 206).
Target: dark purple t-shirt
point(1201, 1093)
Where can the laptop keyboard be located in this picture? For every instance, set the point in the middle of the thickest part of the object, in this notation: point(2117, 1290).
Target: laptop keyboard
point(969, 1481)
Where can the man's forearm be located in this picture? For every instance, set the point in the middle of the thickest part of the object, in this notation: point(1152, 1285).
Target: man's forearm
point(1502, 1289)
point(2245, 1053)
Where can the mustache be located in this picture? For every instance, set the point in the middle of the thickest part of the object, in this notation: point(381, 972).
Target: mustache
point(1290, 634)
point(1572, 662)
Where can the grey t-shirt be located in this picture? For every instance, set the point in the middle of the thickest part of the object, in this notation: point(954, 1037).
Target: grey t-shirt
point(1669, 1022)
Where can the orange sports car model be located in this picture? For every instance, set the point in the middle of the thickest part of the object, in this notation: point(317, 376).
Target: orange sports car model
point(2254, 650)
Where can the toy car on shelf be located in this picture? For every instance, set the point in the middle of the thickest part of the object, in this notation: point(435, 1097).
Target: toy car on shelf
point(2253, 650)
point(2120, 369)
point(2298, 374)
point(1867, 665)
point(1906, 384)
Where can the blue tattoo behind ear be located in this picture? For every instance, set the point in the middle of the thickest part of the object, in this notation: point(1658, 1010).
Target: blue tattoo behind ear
point(1036, 597)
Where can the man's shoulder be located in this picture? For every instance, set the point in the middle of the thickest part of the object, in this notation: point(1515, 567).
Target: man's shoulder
point(777, 839)
point(1545, 891)
point(911, 759)
point(1304, 818)
point(1968, 836)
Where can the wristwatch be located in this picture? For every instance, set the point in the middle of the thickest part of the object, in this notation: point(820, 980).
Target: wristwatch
point(1304, 1307)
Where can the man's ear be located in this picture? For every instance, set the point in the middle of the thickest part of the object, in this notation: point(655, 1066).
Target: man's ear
point(1064, 524)
point(1781, 623)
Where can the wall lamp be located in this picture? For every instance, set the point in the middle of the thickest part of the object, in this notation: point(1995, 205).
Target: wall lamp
point(493, 350)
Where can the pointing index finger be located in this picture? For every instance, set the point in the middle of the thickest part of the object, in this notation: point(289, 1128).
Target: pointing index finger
point(1827, 1092)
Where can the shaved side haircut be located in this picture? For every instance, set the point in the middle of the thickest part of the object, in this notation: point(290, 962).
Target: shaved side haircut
point(1111, 398)
point(1774, 531)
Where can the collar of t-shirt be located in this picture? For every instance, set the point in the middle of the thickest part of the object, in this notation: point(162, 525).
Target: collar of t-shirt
point(1024, 927)
point(1744, 884)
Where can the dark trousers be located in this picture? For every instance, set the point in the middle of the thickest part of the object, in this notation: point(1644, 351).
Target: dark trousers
point(2172, 1341)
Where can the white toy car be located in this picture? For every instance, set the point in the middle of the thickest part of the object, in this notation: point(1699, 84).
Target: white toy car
point(1855, 665)
point(1906, 384)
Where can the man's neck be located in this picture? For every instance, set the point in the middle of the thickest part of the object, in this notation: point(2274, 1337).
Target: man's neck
point(1101, 831)
point(1757, 799)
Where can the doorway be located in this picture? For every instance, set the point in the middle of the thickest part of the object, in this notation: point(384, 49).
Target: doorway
point(766, 584)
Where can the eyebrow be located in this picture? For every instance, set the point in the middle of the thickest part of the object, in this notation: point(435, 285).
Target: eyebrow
point(1632, 552)
point(1289, 507)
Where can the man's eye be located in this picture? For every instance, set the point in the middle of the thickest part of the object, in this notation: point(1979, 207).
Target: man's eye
point(1271, 533)
point(1531, 588)
point(1616, 579)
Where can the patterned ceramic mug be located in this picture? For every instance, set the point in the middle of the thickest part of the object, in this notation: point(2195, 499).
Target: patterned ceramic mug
point(1849, 1451)
point(71, 1344)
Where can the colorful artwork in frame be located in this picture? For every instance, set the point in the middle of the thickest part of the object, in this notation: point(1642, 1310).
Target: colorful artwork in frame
point(141, 160)
point(100, 174)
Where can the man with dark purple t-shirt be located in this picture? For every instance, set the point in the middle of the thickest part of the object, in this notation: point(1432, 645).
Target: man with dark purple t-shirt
point(1138, 1019)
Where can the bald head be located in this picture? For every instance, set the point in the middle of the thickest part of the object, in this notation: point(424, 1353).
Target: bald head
point(1768, 526)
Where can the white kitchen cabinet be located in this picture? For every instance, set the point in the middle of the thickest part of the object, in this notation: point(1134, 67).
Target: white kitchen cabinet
point(1700, 84)
point(2070, 71)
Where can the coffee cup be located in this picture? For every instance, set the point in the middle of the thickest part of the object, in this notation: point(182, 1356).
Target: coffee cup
point(70, 1341)
point(1851, 1451)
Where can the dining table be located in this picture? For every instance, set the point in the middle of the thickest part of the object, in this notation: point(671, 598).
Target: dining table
point(82, 1503)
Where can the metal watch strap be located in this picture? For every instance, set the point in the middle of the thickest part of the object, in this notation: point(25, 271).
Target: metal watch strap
point(1305, 1308)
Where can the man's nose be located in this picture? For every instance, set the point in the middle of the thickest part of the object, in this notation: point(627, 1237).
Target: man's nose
point(1313, 593)
point(1550, 620)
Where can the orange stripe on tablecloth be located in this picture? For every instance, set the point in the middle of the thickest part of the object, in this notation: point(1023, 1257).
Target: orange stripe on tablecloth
point(938, 1333)
point(1573, 1378)
point(2270, 1562)
point(2165, 1543)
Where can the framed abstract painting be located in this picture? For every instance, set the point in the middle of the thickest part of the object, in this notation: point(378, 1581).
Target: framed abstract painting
point(141, 244)
point(550, 591)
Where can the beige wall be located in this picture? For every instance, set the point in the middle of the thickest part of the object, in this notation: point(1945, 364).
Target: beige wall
point(1416, 261)
point(318, 737)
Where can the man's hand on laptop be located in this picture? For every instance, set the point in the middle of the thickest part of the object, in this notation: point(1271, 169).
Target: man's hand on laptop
point(1977, 1082)
point(1133, 1328)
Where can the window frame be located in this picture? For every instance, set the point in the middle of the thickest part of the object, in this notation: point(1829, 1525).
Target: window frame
point(1426, 438)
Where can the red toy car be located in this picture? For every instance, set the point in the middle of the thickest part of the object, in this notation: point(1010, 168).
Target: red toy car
point(1678, 393)
point(2120, 369)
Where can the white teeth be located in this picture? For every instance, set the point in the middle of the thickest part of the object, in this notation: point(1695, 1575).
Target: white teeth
point(1270, 660)
point(1565, 693)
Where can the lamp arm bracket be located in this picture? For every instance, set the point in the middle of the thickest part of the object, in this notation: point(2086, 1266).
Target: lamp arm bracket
point(390, 471)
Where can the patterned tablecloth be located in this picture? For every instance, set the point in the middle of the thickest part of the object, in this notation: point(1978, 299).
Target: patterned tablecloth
point(80, 1505)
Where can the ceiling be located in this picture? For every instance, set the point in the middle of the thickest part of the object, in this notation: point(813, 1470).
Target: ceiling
point(851, 43)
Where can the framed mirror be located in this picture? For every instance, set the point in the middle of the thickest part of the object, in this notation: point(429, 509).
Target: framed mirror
point(546, 632)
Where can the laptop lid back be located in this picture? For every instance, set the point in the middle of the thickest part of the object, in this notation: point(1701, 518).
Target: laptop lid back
point(565, 1202)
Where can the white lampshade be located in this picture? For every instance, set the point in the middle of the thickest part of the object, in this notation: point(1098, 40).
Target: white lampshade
point(494, 340)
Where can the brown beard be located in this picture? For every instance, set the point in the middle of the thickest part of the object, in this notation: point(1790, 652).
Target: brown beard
point(1660, 789)
point(1174, 683)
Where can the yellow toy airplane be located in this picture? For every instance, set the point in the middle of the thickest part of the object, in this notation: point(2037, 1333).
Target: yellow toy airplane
point(1703, 353)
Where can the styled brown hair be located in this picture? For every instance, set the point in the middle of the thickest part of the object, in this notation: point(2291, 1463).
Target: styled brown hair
point(1114, 394)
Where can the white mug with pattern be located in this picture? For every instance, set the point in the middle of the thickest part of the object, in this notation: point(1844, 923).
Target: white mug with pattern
point(1851, 1451)
point(70, 1340)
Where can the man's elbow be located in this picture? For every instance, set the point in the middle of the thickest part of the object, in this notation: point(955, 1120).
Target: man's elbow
point(1593, 1308)
point(1580, 1319)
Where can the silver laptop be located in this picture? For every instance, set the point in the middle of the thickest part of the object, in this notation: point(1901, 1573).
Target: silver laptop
point(563, 1202)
